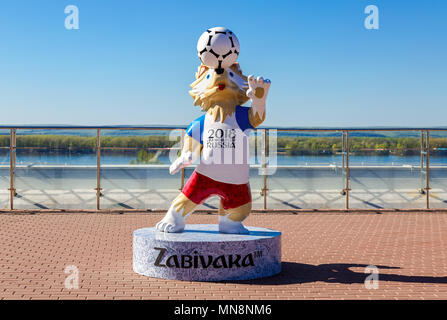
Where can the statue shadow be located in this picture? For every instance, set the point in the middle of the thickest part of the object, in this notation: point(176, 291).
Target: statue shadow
point(298, 273)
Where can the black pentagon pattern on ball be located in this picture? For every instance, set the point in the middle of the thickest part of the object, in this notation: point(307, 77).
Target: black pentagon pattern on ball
point(232, 44)
point(227, 54)
point(215, 54)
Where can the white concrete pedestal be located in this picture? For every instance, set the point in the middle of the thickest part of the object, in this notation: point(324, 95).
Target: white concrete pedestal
point(201, 253)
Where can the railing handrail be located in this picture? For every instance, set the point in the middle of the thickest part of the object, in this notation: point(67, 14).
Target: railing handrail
point(173, 127)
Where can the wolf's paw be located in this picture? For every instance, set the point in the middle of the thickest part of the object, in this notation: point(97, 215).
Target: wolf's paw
point(172, 222)
point(227, 225)
point(258, 89)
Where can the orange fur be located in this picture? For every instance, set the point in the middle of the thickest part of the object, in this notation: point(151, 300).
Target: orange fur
point(219, 103)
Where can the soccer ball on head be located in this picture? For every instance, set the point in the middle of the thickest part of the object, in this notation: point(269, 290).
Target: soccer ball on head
point(218, 48)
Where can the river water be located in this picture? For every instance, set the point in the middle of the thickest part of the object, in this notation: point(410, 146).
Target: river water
point(125, 159)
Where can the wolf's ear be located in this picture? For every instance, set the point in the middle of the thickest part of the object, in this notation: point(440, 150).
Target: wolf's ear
point(236, 68)
point(201, 70)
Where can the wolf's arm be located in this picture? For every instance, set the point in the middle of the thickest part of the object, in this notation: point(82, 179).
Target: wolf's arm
point(190, 153)
point(257, 91)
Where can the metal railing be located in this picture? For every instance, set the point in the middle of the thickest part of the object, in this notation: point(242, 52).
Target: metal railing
point(345, 136)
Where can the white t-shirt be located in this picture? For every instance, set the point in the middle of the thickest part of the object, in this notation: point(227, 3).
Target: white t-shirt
point(225, 152)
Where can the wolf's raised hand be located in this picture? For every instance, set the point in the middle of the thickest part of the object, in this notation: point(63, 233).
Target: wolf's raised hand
point(257, 91)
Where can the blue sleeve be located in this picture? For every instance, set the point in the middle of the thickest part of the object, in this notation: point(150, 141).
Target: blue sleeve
point(195, 129)
point(242, 118)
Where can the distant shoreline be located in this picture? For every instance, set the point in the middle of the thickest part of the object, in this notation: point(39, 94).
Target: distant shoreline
point(288, 145)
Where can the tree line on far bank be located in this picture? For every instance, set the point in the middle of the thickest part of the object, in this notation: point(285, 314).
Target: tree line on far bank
point(285, 145)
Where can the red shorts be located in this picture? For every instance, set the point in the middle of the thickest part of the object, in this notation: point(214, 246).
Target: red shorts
point(200, 187)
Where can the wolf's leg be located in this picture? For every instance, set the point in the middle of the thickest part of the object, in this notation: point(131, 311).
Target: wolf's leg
point(230, 220)
point(174, 220)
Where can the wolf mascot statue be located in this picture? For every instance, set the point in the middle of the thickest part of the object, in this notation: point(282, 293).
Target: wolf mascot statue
point(218, 140)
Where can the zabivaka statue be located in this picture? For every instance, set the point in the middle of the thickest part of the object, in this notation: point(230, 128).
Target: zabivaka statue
point(218, 140)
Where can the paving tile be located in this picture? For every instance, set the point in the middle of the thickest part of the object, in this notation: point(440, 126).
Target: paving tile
point(324, 257)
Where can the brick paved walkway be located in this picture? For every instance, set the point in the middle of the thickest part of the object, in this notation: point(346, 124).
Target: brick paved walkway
point(324, 256)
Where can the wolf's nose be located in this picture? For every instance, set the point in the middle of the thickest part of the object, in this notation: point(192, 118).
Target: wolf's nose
point(219, 70)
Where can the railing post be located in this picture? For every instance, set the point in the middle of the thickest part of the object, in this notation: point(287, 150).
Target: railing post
point(422, 150)
point(98, 169)
point(12, 166)
point(343, 149)
point(423, 185)
point(343, 162)
point(264, 165)
point(347, 170)
point(427, 165)
point(261, 148)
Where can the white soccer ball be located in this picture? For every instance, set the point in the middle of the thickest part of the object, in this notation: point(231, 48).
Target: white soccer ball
point(218, 48)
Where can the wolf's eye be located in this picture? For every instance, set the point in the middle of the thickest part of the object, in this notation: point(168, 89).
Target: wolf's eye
point(231, 74)
point(207, 76)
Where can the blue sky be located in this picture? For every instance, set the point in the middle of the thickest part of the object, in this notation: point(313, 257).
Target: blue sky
point(131, 62)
